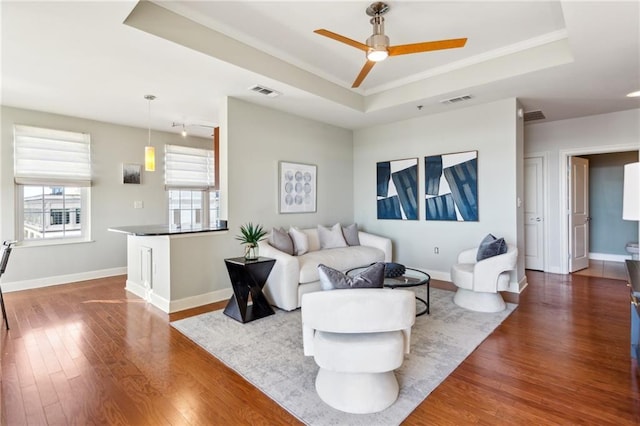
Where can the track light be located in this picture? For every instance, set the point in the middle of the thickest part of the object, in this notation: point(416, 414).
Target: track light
point(184, 128)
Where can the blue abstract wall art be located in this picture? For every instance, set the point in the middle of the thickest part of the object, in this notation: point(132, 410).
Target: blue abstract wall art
point(397, 189)
point(451, 186)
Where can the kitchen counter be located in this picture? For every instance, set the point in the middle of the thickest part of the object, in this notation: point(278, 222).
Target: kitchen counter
point(155, 230)
point(176, 268)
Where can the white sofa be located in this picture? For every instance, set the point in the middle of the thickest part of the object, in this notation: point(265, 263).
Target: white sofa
point(293, 276)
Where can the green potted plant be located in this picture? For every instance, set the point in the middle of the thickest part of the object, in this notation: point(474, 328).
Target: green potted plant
point(250, 234)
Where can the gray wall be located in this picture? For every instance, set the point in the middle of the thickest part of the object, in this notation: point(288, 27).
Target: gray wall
point(491, 129)
point(253, 140)
point(111, 200)
point(619, 131)
point(608, 232)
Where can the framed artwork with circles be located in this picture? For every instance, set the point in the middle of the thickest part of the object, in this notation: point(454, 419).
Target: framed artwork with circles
point(298, 184)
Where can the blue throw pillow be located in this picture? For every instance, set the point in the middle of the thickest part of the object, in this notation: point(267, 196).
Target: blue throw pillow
point(332, 279)
point(491, 246)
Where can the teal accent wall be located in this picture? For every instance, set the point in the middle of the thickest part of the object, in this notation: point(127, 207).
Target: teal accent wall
point(609, 233)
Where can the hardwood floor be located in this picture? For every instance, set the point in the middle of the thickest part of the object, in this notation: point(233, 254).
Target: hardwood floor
point(89, 353)
point(604, 269)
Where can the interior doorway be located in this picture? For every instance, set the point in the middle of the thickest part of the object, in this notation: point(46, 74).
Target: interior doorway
point(565, 193)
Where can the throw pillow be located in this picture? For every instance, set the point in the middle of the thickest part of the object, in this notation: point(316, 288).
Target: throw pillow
point(350, 234)
point(491, 246)
point(332, 279)
point(331, 238)
point(280, 239)
point(300, 241)
point(394, 270)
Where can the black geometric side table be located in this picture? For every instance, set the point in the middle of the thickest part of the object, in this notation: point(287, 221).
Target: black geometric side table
point(248, 278)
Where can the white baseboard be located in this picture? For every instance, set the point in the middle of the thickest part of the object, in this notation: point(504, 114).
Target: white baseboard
point(136, 289)
point(609, 257)
point(439, 275)
point(523, 284)
point(199, 300)
point(10, 286)
point(171, 306)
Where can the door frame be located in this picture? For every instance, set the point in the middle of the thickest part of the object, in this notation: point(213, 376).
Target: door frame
point(545, 204)
point(563, 185)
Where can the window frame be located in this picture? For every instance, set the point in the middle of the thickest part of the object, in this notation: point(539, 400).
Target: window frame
point(205, 206)
point(85, 227)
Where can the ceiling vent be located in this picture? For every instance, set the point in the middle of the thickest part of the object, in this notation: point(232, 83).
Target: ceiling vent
point(456, 100)
point(265, 91)
point(533, 115)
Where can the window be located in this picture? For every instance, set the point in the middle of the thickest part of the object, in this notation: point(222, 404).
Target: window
point(190, 183)
point(52, 172)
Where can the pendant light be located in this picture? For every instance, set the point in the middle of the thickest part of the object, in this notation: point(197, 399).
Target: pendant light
point(149, 151)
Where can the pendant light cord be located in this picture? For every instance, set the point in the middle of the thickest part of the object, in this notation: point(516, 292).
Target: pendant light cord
point(149, 98)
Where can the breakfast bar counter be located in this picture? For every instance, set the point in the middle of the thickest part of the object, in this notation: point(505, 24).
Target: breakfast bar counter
point(172, 267)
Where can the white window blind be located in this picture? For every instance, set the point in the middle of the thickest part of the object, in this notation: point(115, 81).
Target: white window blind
point(51, 157)
point(187, 167)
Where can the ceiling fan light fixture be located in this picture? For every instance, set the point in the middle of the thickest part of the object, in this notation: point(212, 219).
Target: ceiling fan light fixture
point(378, 44)
point(377, 55)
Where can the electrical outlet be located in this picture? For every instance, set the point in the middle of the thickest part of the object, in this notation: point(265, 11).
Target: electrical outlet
point(138, 205)
point(436, 250)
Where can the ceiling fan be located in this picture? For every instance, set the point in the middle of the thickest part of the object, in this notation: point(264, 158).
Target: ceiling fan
point(377, 46)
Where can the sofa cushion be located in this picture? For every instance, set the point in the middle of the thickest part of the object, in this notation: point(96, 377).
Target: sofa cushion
point(281, 240)
point(491, 246)
point(350, 234)
point(331, 238)
point(332, 279)
point(314, 241)
point(300, 241)
point(342, 259)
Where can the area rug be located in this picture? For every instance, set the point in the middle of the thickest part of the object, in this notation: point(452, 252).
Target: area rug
point(268, 353)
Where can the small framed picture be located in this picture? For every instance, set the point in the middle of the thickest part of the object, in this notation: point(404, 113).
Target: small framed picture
point(131, 173)
point(297, 187)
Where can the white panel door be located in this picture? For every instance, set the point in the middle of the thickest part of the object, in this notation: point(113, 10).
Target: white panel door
point(533, 214)
point(578, 213)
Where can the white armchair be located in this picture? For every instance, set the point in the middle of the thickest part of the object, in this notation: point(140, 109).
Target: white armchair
point(479, 282)
point(358, 337)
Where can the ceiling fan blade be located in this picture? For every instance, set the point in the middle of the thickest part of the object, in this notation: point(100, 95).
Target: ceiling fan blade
point(427, 46)
point(363, 73)
point(342, 39)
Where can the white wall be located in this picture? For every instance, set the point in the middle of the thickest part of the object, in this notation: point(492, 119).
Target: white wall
point(614, 132)
point(111, 201)
point(493, 131)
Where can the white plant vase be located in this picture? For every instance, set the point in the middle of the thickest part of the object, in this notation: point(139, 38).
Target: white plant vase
point(251, 252)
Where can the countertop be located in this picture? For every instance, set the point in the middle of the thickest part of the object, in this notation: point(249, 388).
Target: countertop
point(157, 230)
